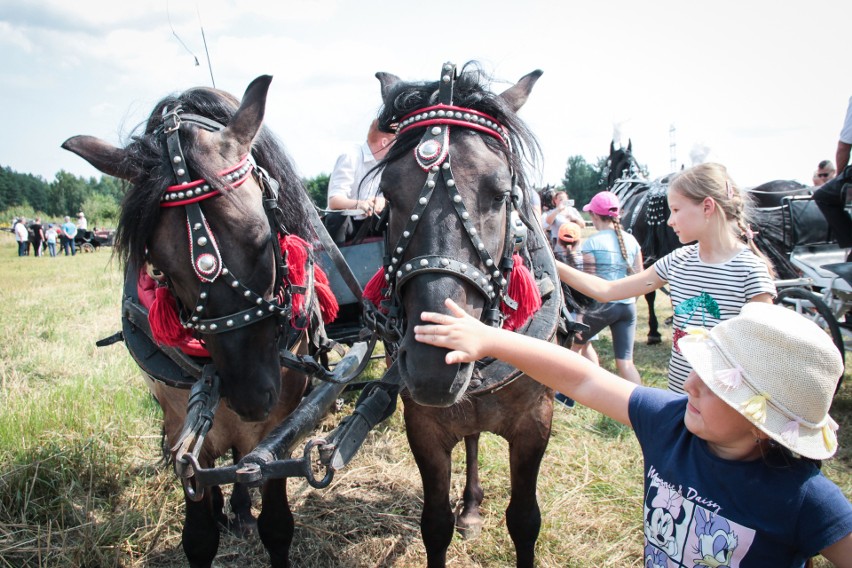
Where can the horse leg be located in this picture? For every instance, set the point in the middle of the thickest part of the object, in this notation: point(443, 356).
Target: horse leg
point(523, 516)
point(201, 528)
point(654, 337)
point(275, 525)
point(243, 522)
point(433, 459)
point(469, 521)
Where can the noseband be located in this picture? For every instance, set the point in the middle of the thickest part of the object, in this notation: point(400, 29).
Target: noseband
point(204, 250)
point(490, 278)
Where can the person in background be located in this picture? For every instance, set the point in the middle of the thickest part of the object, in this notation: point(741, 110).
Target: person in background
point(731, 470)
point(69, 232)
point(833, 196)
point(611, 254)
point(38, 236)
point(567, 247)
point(825, 172)
point(711, 280)
point(22, 236)
point(561, 211)
point(354, 184)
point(50, 235)
point(82, 224)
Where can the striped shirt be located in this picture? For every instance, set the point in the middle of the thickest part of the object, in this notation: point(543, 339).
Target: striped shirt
point(705, 294)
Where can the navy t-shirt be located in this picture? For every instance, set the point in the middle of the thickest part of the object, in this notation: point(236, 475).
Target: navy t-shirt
point(702, 510)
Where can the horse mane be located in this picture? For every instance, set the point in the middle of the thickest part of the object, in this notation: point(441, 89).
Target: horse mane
point(147, 157)
point(471, 90)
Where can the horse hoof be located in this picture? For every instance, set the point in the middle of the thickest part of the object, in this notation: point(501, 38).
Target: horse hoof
point(469, 530)
point(654, 340)
point(242, 527)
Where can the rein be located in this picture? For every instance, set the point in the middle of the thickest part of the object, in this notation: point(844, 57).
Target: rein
point(491, 277)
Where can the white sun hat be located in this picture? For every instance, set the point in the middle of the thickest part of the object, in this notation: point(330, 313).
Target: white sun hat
point(776, 368)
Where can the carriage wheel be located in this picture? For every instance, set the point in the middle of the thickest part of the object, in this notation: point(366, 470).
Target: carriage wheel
point(812, 307)
point(87, 247)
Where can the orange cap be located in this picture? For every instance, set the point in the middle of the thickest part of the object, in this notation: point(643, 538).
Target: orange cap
point(570, 232)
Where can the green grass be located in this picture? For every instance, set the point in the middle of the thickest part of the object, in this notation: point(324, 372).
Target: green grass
point(82, 485)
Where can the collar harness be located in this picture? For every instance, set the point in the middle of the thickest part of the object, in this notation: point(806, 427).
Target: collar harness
point(490, 277)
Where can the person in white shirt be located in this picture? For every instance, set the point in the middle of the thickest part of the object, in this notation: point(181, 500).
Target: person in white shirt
point(354, 184)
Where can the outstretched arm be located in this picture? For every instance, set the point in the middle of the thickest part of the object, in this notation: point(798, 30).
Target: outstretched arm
point(840, 553)
point(468, 340)
point(603, 290)
point(841, 157)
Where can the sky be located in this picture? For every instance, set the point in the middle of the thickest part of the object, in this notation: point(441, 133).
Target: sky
point(760, 86)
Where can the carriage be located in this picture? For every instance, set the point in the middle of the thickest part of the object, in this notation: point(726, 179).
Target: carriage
point(90, 241)
point(820, 282)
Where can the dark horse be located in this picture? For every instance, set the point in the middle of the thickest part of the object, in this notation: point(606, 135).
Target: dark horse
point(644, 213)
point(214, 244)
point(454, 183)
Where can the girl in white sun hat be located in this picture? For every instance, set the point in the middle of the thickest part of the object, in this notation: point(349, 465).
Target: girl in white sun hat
point(732, 474)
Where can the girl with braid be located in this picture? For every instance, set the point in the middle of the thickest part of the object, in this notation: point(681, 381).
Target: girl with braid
point(711, 279)
point(611, 254)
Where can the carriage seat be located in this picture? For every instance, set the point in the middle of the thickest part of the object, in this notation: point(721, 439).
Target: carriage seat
point(842, 269)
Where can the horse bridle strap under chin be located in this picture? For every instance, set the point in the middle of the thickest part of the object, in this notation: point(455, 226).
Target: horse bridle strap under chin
point(432, 155)
point(204, 250)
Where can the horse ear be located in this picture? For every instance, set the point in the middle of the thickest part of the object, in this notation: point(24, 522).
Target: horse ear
point(611, 147)
point(104, 156)
point(629, 145)
point(517, 94)
point(388, 80)
point(248, 119)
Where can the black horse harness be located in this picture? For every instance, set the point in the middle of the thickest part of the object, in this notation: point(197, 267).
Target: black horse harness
point(205, 255)
point(491, 278)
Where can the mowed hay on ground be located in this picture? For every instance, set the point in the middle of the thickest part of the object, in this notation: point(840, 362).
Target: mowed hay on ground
point(82, 485)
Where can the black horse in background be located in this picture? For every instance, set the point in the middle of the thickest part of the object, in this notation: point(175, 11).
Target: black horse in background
point(644, 213)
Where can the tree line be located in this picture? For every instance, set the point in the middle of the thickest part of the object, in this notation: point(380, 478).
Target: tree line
point(28, 195)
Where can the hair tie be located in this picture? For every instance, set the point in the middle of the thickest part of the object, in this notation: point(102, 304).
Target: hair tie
point(749, 233)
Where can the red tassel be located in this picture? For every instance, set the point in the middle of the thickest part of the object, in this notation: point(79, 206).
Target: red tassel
point(163, 319)
point(296, 250)
point(522, 289)
point(375, 291)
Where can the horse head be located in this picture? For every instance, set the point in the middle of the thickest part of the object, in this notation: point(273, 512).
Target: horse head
point(619, 163)
point(452, 179)
point(200, 174)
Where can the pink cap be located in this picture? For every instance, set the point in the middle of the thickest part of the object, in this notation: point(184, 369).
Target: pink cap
point(604, 204)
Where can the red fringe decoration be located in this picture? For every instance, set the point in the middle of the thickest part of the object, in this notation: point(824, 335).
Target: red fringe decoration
point(296, 250)
point(375, 291)
point(163, 319)
point(522, 289)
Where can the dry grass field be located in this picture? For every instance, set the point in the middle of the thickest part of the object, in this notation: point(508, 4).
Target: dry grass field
point(81, 484)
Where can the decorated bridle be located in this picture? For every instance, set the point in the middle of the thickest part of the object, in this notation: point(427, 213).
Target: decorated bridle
point(490, 277)
point(205, 255)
